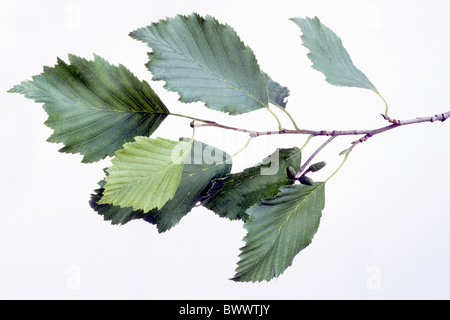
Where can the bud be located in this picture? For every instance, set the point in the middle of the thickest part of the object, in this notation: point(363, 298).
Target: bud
point(291, 173)
point(306, 180)
point(317, 166)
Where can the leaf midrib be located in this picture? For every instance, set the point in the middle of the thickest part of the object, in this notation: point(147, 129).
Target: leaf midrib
point(277, 237)
point(166, 167)
point(90, 106)
point(333, 61)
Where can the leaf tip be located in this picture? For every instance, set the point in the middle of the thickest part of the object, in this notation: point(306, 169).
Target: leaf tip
point(13, 89)
point(236, 279)
point(135, 34)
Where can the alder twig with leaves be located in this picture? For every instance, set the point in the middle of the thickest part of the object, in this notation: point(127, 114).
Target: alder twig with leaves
point(100, 110)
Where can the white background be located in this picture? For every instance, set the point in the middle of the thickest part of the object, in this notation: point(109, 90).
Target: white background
point(385, 229)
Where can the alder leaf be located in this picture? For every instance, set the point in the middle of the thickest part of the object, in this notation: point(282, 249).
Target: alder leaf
point(329, 56)
point(278, 229)
point(146, 173)
point(204, 164)
point(204, 60)
point(94, 107)
point(110, 212)
point(231, 196)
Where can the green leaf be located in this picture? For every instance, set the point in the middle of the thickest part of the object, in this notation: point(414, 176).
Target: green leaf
point(231, 196)
point(115, 214)
point(278, 229)
point(329, 56)
point(94, 107)
point(277, 93)
point(204, 60)
point(146, 173)
point(205, 164)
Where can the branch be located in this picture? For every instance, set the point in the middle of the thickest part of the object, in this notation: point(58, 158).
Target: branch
point(303, 167)
point(366, 133)
point(369, 133)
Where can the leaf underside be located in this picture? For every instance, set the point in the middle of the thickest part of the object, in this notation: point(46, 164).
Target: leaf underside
point(278, 229)
point(94, 107)
point(145, 174)
point(231, 196)
point(204, 60)
point(329, 56)
point(277, 93)
point(204, 164)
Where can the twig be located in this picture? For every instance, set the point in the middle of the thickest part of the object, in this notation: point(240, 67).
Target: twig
point(395, 123)
point(303, 167)
point(335, 133)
